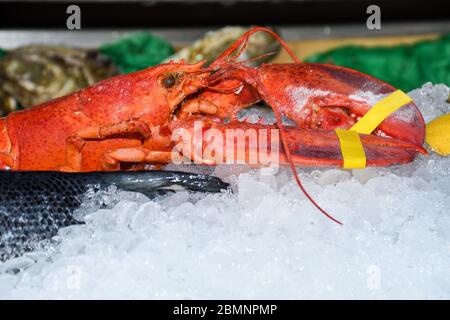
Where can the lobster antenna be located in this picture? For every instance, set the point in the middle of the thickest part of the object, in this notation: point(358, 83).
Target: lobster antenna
point(227, 90)
point(294, 169)
point(244, 40)
point(218, 78)
point(241, 48)
point(262, 56)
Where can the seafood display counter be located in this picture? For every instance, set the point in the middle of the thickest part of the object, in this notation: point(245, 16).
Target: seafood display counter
point(168, 159)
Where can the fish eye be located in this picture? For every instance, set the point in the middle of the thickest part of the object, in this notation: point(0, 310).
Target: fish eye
point(169, 81)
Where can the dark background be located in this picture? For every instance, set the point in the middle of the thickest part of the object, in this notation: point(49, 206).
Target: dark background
point(169, 13)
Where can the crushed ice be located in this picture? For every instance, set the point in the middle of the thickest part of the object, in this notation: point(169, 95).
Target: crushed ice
point(264, 241)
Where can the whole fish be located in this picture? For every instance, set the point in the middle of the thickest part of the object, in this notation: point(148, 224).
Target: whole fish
point(34, 205)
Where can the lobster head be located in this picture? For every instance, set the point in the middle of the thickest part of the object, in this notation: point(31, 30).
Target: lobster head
point(152, 94)
point(178, 80)
point(175, 82)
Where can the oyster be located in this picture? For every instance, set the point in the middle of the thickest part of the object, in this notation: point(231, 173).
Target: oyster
point(33, 74)
point(215, 42)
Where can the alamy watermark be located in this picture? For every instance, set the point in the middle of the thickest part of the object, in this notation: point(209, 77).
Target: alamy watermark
point(251, 146)
point(73, 22)
point(374, 20)
point(373, 280)
point(73, 280)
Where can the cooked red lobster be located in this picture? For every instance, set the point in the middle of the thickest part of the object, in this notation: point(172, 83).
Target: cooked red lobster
point(128, 121)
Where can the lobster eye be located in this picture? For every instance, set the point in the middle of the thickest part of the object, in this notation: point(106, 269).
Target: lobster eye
point(169, 81)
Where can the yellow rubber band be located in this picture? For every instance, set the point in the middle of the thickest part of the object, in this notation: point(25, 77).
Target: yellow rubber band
point(380, 111)
point(352, 149)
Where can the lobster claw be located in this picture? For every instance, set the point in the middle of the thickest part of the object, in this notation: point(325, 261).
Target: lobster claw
point(308, 147)
point(316, 147)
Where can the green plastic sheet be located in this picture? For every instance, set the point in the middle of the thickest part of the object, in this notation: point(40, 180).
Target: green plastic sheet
point(404, 66)
point(138, 51)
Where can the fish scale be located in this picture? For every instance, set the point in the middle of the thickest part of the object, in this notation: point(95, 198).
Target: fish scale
point(34, 205)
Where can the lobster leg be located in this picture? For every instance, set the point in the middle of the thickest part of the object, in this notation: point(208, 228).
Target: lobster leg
point(217, 103)
point(198, 106)
point(6, 161)
point(76, 142)
point(136, 155)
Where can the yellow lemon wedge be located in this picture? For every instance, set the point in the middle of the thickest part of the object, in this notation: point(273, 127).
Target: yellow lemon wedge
point(438, 134)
